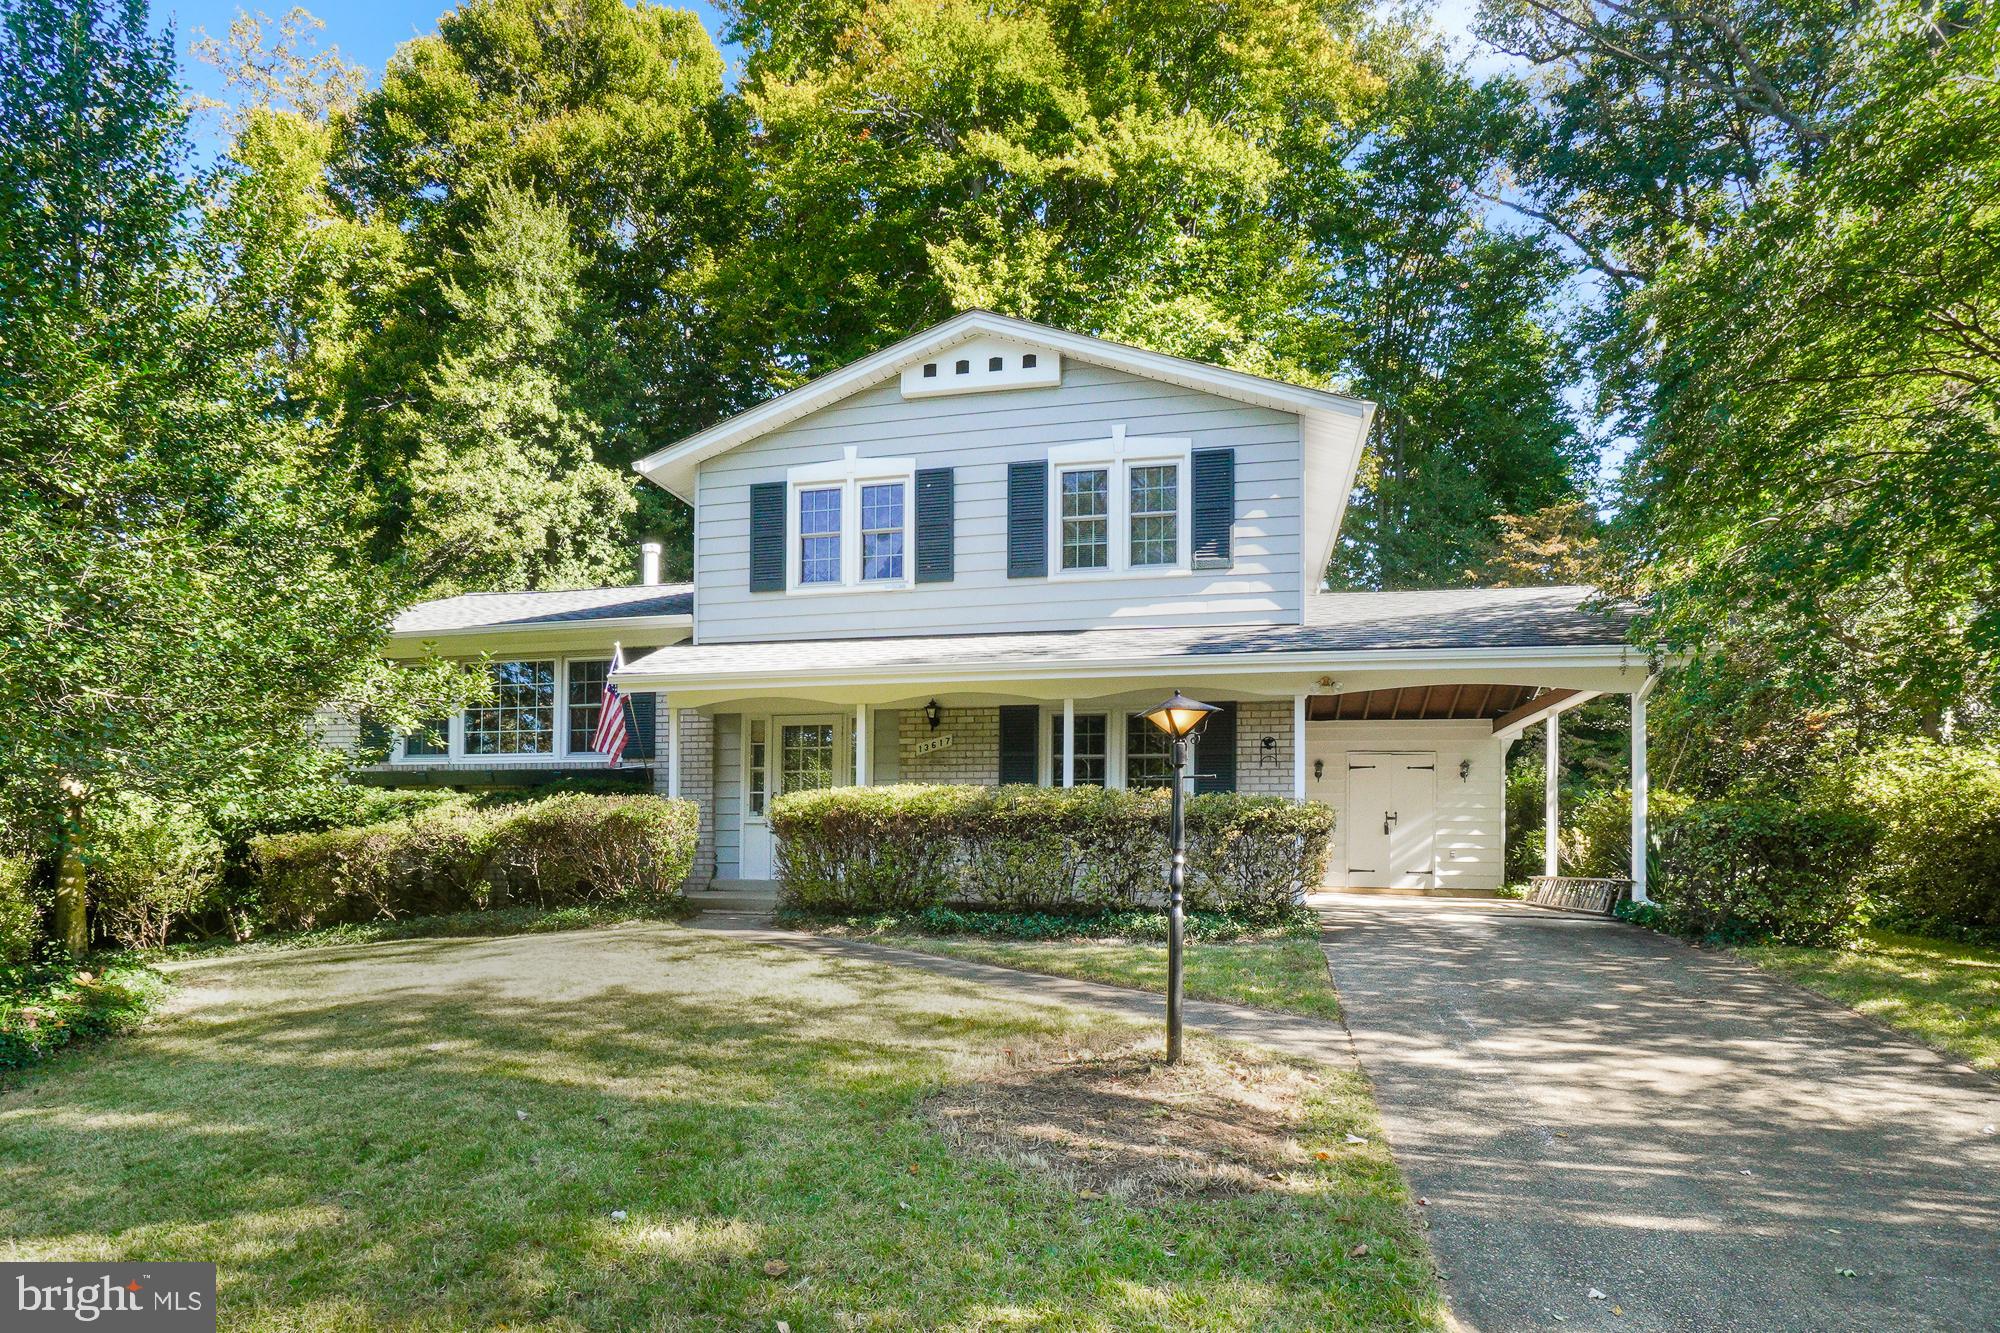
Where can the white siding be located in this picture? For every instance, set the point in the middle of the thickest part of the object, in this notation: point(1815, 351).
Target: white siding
point(1471, 814)
point(728, 794)
point(979, 434)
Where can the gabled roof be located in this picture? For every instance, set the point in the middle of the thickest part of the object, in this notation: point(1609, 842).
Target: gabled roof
point(1476, 621)
point(484, 611)
point(674, 467)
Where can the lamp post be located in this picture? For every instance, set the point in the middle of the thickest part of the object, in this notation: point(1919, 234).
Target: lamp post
point(1182, 719)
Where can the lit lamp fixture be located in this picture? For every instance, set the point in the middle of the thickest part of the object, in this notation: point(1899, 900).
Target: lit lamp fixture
point(1182, 719)
point(933, 714)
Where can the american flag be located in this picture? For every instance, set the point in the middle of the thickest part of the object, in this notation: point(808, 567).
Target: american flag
point(610, 739)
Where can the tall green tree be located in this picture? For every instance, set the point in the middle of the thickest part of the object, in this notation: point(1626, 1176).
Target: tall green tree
point(176, 594)
point(1449, 323)
point(505, 490)
point(1790, 208)
point(1112, 169)
point(614, 111)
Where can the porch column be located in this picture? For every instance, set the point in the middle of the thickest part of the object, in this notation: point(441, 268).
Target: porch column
point(862, 777)
point(673, 748)
point(1552, 762)
point(1298, 747)
point(1069, 743)
point(1639, 786)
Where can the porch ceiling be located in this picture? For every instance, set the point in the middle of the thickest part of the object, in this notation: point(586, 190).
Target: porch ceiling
point(1419, 703)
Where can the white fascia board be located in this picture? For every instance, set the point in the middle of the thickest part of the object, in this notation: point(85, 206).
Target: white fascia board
point(1556, 708)
point(1427, 660)
point(556, 635)
point(673, 468)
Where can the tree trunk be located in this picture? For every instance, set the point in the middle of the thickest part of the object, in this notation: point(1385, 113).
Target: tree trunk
point(72, 928)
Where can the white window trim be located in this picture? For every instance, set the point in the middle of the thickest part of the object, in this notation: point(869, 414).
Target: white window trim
point(1118, 456)
point(850, 473)
point(561, 757)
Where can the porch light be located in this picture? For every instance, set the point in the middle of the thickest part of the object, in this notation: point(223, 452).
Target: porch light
point(1181, 718)
point(933, 714)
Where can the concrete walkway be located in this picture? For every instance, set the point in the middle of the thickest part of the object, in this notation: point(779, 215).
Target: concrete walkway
point(1591, 1106)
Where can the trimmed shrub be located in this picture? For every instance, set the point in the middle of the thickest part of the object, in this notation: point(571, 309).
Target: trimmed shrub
point(459, 857)
point(576, 849)
point(1763, 868)
point(1935, 810)
point(19, 921)
point(1036, 849)
point(1596, 832)
point(151, 865)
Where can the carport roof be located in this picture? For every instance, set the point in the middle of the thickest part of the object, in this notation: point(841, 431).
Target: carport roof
point(1346, 622)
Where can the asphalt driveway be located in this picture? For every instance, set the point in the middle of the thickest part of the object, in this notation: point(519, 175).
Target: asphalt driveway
point(1589, 1107)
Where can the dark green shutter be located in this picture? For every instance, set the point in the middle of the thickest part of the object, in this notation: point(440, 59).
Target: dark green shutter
point(767, 537)
point(1020, 728)
point(641, 713)
point(1214, 507)
point(375, 739)
point(1215, 752)
point(936, 524)
point(1027, 520)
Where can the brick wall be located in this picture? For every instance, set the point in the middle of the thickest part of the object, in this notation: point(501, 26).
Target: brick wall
point(1260, 772)
point(973, 755)
point(697, 764)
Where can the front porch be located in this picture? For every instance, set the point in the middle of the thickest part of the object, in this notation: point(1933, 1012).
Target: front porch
point(1415, 770)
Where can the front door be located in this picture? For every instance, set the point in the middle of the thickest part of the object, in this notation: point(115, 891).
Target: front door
point(779, 755)
point(1391, 819)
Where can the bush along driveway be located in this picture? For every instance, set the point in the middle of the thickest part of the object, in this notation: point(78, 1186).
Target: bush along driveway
point(651, 1126)
point(1619, 1130)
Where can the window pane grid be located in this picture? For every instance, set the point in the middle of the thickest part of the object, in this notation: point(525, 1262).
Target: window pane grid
point(819, 535)
point(1092, 730)
point(521, 719)
point(1086, 519)
point(757, 767)
point(1149, 759)
point(430, 740)
point(805, 756)
point(882, 531)
point(1155, 491)
point(586, 702)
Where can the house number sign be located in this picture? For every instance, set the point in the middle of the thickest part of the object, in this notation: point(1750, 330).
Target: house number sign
point(933, 745)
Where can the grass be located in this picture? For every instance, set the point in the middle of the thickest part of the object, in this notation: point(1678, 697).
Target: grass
point(440, 1134)
point(495, 921)
point(1285, 973)
point(1947, 994)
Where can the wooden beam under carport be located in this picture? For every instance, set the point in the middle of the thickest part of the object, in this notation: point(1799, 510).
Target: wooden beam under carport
point(1511, 724)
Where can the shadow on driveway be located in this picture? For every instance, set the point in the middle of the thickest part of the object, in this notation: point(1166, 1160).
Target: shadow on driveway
point(1593, 1106)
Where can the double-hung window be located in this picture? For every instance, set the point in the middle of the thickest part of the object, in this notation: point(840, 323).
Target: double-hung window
point(850, 523)
point(1149, 754)
point(1120, 505)
point(586, 701)
point(1092, 754)
point(520, 718)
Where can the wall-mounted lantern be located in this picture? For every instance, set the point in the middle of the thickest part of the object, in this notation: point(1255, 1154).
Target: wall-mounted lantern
point(933, 714)
point(1464, 770)
point(1319, 769)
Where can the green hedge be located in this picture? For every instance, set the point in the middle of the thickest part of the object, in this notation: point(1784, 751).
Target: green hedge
point(1935, 812)
point(1028, 849)
point(1760, 868)
point(558, 852)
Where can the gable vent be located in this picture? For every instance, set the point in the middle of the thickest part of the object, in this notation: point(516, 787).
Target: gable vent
point(983, 365)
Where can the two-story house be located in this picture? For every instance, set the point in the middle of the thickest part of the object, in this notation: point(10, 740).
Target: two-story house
point(978, 556)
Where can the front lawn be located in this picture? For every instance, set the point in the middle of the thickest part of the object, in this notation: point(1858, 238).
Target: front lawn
point(1947, 994)
point(658, 1127)
point(1286, 973)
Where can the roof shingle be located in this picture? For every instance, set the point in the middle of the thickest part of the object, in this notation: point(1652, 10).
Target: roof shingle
point(516, 610)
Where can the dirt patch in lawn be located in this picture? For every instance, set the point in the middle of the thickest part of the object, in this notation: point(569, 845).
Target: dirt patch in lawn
point(1119, 1123)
